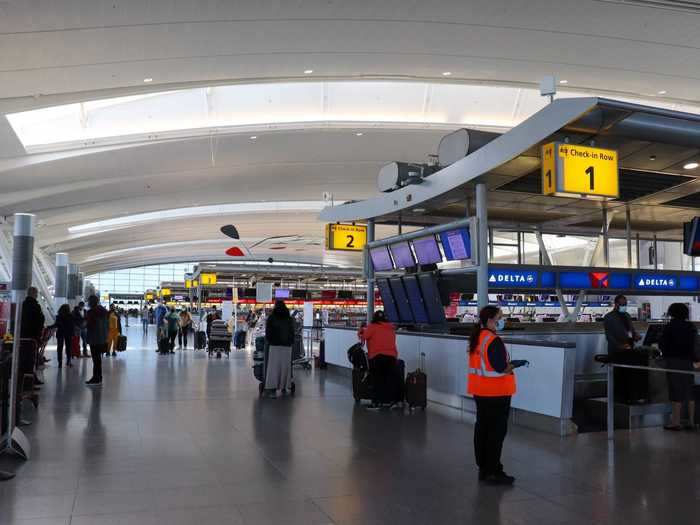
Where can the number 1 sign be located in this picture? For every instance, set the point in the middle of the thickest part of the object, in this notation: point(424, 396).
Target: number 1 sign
point(570, 170)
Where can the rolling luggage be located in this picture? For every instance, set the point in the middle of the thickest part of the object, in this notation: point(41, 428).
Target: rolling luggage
point(239, 340)
point(75, 346)
point(200, 340)
point(121, 343)
point(417, 386)
point(163, 345)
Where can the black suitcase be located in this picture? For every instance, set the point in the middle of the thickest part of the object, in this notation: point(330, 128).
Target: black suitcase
point(417, 386)
point(200, 340)
point(240, 339)
point(360, 384)
point(121, 343)
point(164, 346)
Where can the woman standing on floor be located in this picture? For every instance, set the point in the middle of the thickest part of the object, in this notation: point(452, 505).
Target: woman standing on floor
point(279, 334)
point(677, 343)
point(115, 328)
point(492, 383)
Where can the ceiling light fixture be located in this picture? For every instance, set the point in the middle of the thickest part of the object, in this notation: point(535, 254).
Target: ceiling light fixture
point(563, 81)
point(662, 92)
point(359, 134)
point(147, 80)
point(652, 157)
point(253, 137)
point(691, 166)
point(308, 71)
point(446, 73)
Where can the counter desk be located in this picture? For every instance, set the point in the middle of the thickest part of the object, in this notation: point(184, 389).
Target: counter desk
point(545, 395)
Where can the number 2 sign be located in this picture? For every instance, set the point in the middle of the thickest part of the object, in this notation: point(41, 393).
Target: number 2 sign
point(570, 170)
point(346, 237)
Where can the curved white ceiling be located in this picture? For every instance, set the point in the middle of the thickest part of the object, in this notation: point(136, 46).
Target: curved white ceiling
point(222, 72)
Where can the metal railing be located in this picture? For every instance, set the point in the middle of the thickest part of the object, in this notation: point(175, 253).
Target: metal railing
point(610, 422)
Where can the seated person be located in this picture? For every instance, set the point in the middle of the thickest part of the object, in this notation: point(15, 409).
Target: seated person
point(380, 337)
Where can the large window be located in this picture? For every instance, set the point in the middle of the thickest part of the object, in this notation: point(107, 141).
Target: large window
point(139, 279)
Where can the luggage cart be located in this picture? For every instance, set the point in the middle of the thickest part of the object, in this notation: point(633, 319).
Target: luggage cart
point(219, 339)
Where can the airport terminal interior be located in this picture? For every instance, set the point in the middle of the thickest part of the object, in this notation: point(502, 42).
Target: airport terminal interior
point(349, 263)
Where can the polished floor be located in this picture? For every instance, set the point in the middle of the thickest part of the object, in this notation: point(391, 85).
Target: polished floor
point(185, 440)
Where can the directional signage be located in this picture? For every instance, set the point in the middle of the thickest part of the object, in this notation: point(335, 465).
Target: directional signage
point(346, 237)
point(570, 170)
point(513, 279)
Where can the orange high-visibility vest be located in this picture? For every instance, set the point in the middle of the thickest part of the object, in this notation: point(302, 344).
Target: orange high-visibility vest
point(482, 379)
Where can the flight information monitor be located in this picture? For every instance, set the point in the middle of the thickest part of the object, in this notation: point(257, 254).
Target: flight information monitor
point(431, 298)
point(691, 237)
point(415, 299)
point(401, 299)
point(381, 259)
point(403, 258)
point(282, 293)
point(427, 251)
point(388, 300)
point(456, 244)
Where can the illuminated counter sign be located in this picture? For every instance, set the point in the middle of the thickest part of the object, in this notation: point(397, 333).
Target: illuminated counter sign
point(594, 280)
point(346, 237)
point(208, 278)
point(570, 170)
point(656, 282)
point(512, 279)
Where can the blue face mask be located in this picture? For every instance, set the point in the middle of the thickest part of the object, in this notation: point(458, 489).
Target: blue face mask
point(500, 324)
point(622, 308)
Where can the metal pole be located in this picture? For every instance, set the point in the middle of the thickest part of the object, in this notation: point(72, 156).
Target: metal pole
point(656, 254)
point(22, 257)
point(520, 251)
point(490, 244)
point(611, 402)
point(482, 273)
point(638, 258)
point(628, 227)
point(400, 224)
point(606, 245)
point(369, 272)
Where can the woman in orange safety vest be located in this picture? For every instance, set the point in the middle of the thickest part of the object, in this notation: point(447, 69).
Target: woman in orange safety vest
point(492, 383)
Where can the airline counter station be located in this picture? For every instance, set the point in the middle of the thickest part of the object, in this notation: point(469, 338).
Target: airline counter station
point(626, 226)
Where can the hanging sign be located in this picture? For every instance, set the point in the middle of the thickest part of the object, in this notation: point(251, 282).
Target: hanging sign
point(570, 170)
point(346, 237)
point(207, 278)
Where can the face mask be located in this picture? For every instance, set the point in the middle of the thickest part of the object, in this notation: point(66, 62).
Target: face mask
point(622, 309)
point(500, 324)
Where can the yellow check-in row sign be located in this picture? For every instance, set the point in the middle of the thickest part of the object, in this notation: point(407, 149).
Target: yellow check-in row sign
point(570, 170)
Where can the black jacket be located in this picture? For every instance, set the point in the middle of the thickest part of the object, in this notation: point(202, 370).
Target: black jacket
point(65, 326)
point(32, 319)
point(678, 340)
point(279, 331)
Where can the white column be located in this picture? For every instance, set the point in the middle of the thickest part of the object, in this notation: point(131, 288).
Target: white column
point(61, 285)
point(482, 274)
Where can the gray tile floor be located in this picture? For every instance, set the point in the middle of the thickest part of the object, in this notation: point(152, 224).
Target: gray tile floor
point(184, 440)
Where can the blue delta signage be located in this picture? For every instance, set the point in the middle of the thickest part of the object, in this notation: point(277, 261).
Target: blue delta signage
point(512, 279)
point(656, 282)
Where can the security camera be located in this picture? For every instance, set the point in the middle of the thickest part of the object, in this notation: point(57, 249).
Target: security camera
point(270, 260)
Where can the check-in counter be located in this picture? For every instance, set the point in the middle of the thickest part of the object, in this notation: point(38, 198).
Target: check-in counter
point(545, 395)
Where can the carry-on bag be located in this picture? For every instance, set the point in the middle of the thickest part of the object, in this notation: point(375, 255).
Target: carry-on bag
point(163, 345)
point(75, 346)
point(417, 386)
point(200, 340)
point(121, 343)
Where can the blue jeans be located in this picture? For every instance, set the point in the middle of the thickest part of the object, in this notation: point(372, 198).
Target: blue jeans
point(144, 323)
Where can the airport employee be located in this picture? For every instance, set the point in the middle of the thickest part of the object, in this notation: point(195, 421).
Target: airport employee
point(492, 383)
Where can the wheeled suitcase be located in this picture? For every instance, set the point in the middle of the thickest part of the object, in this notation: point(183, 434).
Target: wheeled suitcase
point(75, 346)
point(239, 340)
point(200, 340)
point(163, 345)
point(121, 343)
point(417, 386)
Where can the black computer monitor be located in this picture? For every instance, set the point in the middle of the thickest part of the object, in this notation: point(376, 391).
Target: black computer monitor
point(390, 310)
point(431, 298)
point(415, 299)
point(402, 304)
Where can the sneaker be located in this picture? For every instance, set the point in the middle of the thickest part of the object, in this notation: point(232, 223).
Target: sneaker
point(499, 479)
point(94, 382)
point(374, 406)
point(114, 354)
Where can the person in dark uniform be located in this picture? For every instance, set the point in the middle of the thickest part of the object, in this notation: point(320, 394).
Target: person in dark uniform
point(631, 386)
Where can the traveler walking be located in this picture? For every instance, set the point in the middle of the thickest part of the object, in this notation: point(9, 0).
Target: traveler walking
point(65, 331)
point(115, 329)
point(80, 326)
point(380, 337)
point(492, 383)
point(678, 344)
point(145, 319)
point(279, 332)
point(185, 327)
point(97, 331)
point(172, 322)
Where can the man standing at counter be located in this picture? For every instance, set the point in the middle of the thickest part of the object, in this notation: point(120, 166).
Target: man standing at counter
point(630, 385)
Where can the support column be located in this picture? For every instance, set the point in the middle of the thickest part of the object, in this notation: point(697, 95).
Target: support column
point(369, 272)
point(61, 286)
point(628, 228)
point(15, 441)
point(5, 257)
point(482, 273)
point(81, 287)
point(72, 283)
point(606, 240)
